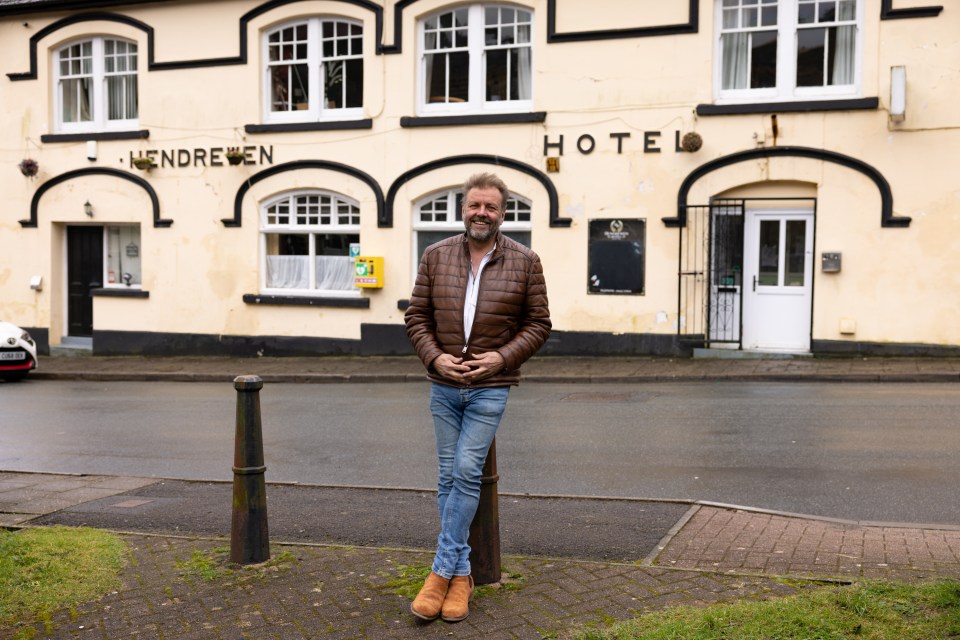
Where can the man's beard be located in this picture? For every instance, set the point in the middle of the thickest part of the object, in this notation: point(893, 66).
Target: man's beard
point(482, 235)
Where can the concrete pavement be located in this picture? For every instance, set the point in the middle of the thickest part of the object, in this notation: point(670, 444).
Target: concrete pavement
point(331, 586)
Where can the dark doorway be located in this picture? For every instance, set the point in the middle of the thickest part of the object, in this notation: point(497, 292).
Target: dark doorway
point(84, 272)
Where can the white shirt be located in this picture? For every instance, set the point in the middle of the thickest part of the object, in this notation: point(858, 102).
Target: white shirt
point(473, 290)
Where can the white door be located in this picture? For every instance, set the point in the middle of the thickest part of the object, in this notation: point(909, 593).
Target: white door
point(778, 278)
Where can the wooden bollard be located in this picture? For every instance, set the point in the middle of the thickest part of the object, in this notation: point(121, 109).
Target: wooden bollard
point(484, 537)
point(249, 537)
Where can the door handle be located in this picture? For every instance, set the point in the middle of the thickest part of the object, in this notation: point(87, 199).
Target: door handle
point(754, 283)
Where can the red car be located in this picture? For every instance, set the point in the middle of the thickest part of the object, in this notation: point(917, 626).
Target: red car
point(18, 353)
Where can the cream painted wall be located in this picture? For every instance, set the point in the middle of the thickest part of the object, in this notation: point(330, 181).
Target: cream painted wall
point(897, 284)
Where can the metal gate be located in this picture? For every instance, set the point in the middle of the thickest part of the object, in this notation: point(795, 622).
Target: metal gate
point(711, 273)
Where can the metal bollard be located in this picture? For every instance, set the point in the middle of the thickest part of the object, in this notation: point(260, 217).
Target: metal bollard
point(249, 539)
point(484, 537)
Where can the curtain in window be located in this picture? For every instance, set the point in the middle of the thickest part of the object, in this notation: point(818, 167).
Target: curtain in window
point(335, 273)
point(523, 73)
point(736, 71)
point(76, 100)
point(288, 272)
point(122, 97)
point(843, 55)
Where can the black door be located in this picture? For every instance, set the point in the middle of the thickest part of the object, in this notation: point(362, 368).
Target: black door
point(84, 272)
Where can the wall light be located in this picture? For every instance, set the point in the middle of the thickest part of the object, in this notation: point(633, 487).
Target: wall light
point(88, 208)
point(898, 93)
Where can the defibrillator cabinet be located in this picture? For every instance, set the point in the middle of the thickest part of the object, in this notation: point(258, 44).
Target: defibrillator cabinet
point(368, 272)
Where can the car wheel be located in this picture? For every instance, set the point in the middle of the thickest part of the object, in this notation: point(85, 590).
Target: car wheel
point(15, 376)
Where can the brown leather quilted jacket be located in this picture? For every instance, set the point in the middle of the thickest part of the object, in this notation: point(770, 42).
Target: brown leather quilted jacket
point(512, 317)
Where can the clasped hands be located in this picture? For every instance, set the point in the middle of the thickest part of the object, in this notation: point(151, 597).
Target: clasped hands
point(478, 368)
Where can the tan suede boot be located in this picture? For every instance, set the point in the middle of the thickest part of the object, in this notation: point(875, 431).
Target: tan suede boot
point(456, 606)
point(429, 601)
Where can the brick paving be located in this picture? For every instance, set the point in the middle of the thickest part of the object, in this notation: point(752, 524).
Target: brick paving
point(738, 541)
point(331, 592)
point(714, 554)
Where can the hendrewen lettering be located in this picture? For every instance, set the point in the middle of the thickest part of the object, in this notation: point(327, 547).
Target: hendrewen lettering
point(212, 157)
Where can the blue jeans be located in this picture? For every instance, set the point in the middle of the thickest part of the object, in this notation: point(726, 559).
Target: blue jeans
point(465, 422)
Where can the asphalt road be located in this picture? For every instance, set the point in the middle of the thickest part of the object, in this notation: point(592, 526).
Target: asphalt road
point(879, 452)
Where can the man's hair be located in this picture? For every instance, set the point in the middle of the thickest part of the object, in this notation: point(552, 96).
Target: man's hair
point(487, 181)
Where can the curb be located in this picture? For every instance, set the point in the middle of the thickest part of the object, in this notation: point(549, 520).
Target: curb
point(391, 378)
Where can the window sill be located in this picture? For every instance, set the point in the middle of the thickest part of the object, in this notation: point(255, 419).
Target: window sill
point(788, 107)
point(307, 301)
point(309, 126)
point(95, 135)
point(110, 292)
point(477, 118)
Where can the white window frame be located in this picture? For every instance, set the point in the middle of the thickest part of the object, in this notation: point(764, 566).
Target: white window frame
point(786, 89)
point(98, 101)
point(455, 226)
point(293, 227)
point(316, 110)
point(118, 281)
point(476, 102)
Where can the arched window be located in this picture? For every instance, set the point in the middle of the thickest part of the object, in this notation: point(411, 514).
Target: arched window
point(96, 85)
point(306, 238)
point(440, 216)
point(314, 71)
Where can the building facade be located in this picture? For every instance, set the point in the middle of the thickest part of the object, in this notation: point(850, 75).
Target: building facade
point(260, 177)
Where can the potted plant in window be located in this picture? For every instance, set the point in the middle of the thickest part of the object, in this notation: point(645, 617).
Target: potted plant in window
point(29, 167)
point(234, 155)
point(144, 163)
point(332, 84)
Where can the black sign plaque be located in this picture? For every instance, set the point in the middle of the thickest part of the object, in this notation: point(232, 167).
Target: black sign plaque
point(616, 256)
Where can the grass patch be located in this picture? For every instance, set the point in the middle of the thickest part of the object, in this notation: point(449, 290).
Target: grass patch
point(409, 578)
point(46, 569)
point(215, 564)
point(870, 610)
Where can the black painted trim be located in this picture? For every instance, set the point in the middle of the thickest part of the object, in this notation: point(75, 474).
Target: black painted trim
point(382, 339)
point(788, 107)
point(882, 349)
point(109, 292)
point(691, 26)
point(149, 343)
point(375, 340)
point(65, 5)
point(307, 301)
point(479, 118)
point(142, 134)
point(74, 19)
point(397, 45)
point(598, 343)
point(41, 336)
point(297, 165)
point(555, 219)
point(366, 123)
point(887, 12)
point(152, 64)
point(887, 218)
point(93, 171)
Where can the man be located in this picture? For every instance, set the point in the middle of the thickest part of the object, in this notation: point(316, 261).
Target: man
point(478, 311)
